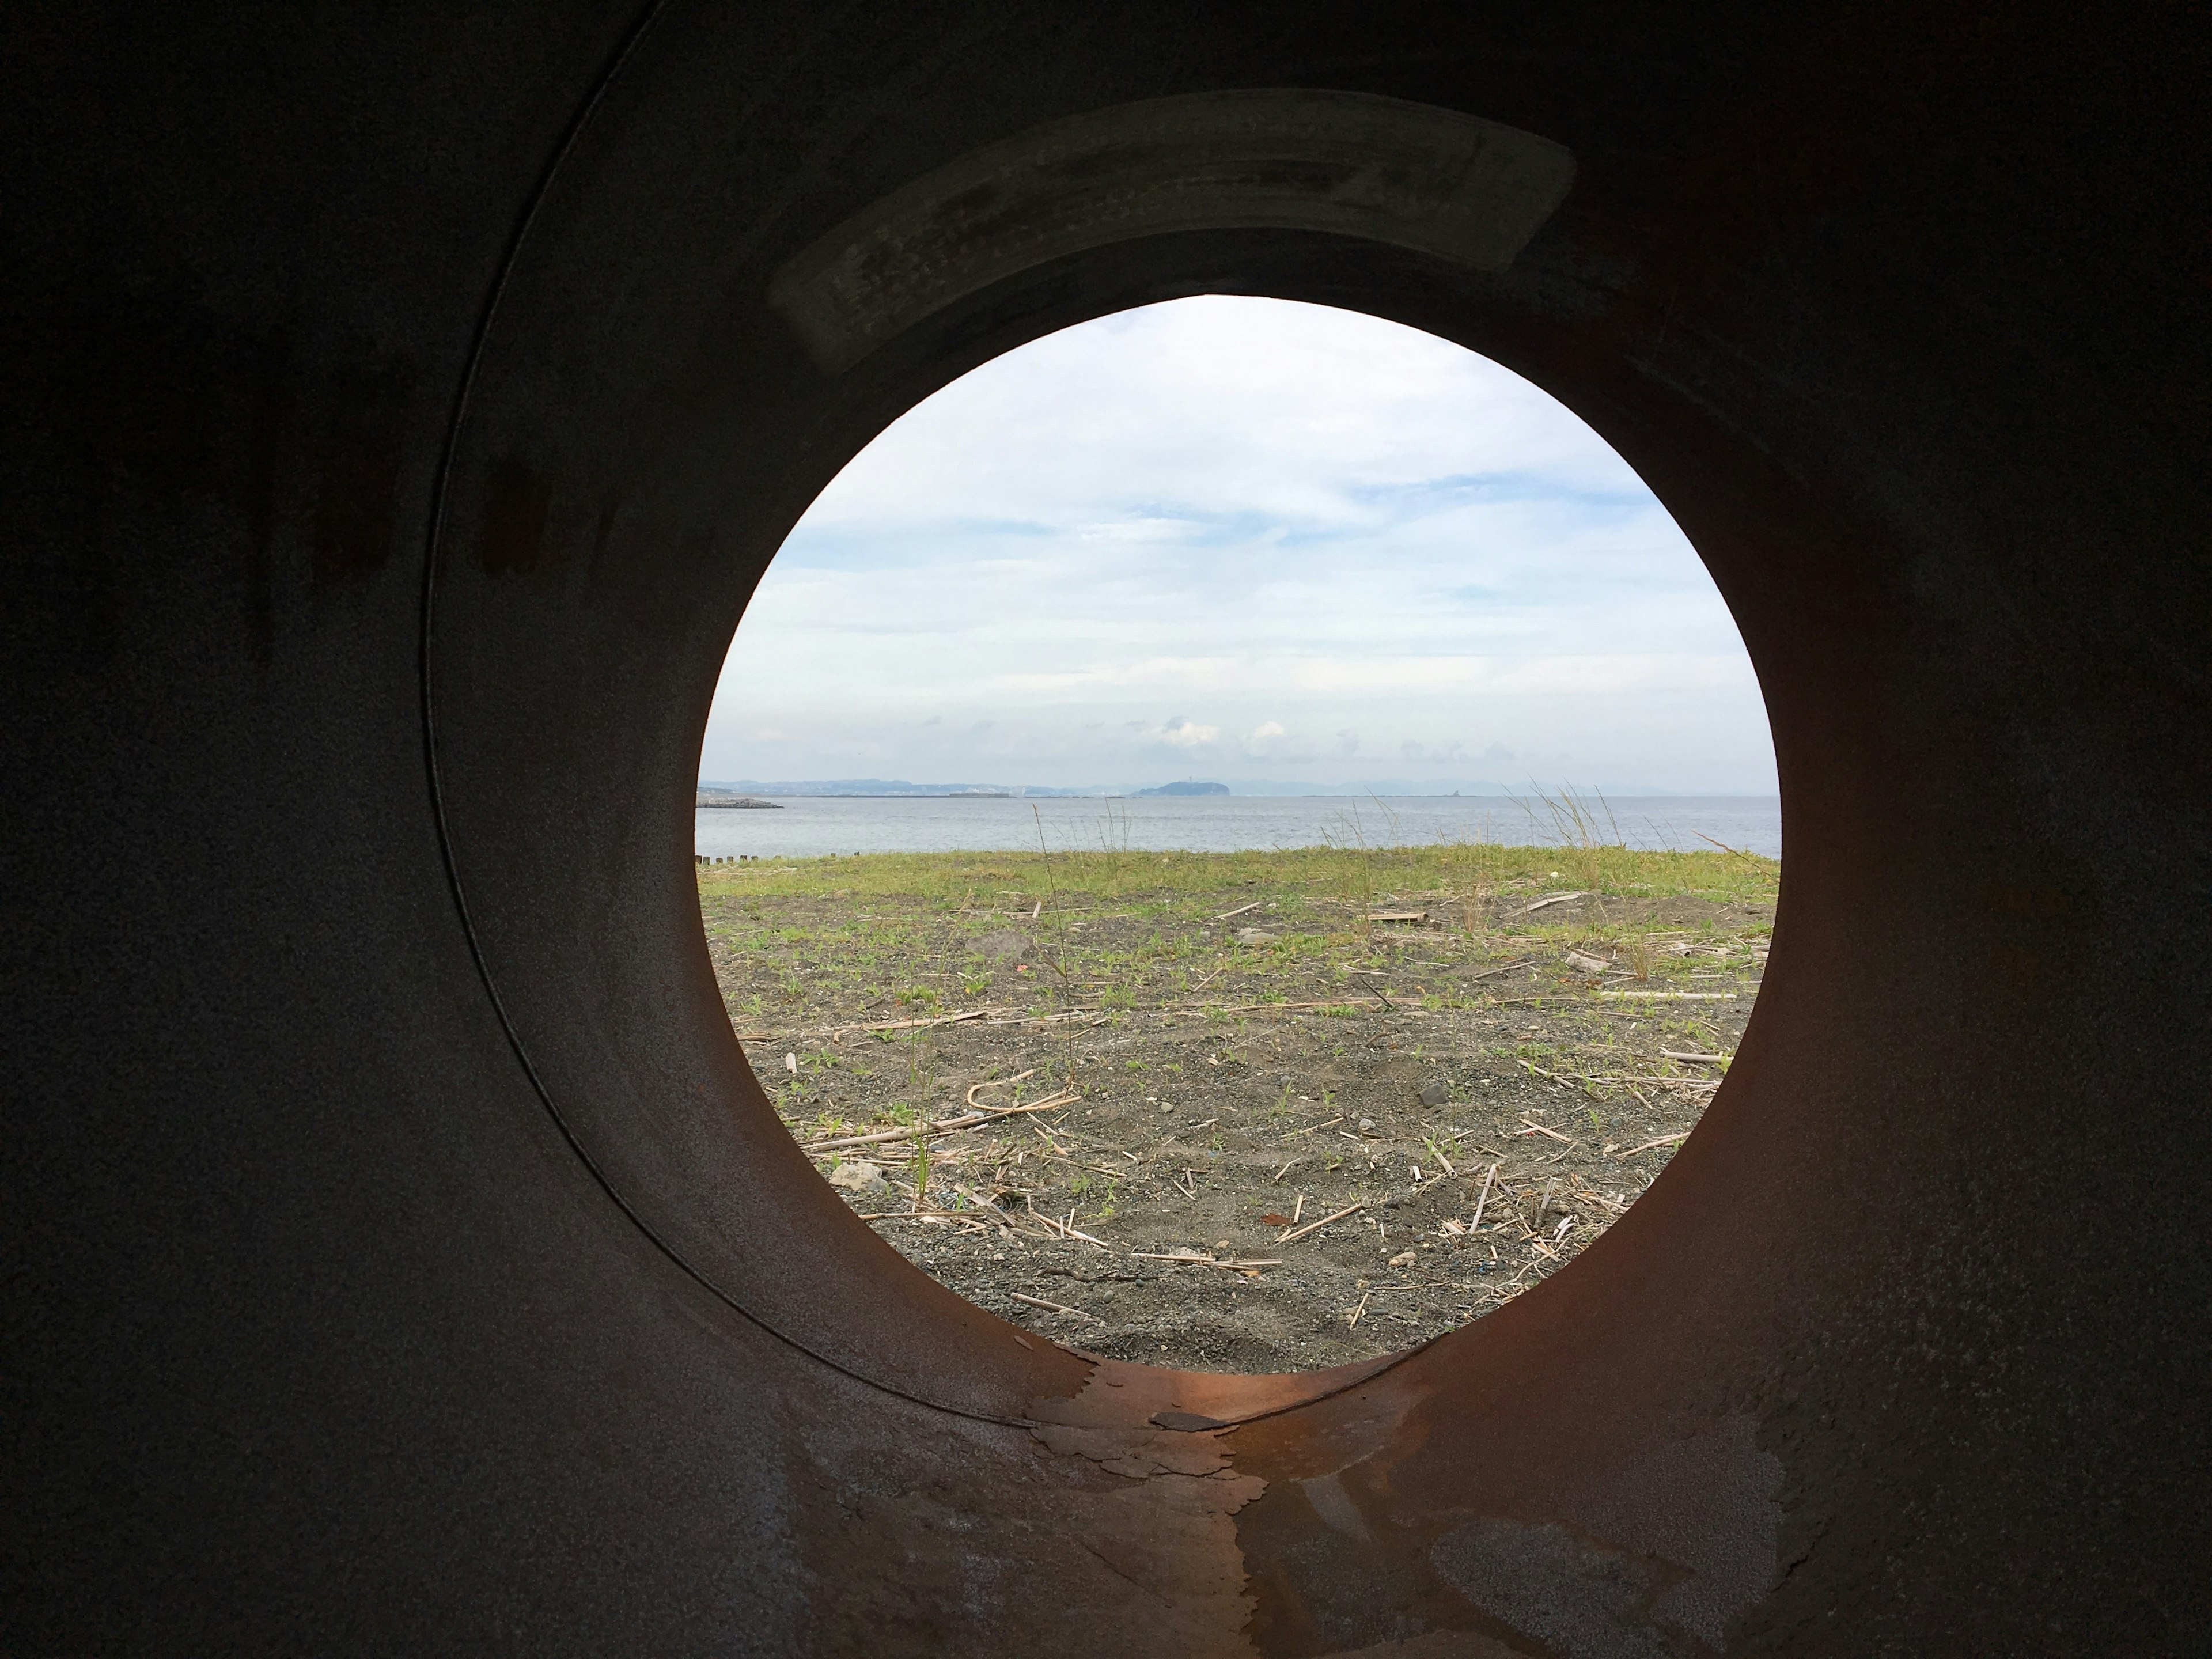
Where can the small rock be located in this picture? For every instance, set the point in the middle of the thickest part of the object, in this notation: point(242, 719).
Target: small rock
point(1255, 936)
point(1434, 1094)
point(1404, 1258)
point(1367, 1126)
point(1586, 962)
point(1007, 945)
point(858, 1176)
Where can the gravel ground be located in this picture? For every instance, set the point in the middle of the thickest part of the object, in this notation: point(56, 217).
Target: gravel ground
point(1211, 1083)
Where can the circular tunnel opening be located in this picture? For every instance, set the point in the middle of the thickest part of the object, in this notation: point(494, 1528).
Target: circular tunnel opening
point(413, 1249)
point(1238, 834)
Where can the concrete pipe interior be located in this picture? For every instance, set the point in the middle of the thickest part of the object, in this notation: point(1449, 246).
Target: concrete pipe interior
point(412, 1260)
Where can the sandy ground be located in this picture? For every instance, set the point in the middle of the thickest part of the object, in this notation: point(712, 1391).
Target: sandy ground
point(1474, 1090)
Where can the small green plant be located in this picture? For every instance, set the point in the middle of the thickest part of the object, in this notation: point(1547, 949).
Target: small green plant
point(921, 1061)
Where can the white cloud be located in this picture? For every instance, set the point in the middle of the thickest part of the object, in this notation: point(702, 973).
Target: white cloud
point(1186, 734)
point(1274, 742)
point(1243, 516)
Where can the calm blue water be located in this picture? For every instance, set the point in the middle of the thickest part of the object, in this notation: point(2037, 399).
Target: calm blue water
point(809, 826)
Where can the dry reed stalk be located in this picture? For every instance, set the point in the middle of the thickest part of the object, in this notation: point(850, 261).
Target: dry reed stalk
point(1193, 1260)
point(1484, 1198)
point(950, 1126)
point(1053, 1307)
point(1300, 1232)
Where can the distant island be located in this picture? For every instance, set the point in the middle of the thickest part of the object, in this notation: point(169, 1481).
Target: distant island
point(1188, 789)
point(724, 798)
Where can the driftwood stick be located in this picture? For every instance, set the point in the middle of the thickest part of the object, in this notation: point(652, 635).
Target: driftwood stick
point(1193, 1260)
point(950, 1126)
point(1300, 1232)
point(1065, 1229)
point(914, 1024)
point(1054, 1307)
point(1555, 898)
point(1502, 968)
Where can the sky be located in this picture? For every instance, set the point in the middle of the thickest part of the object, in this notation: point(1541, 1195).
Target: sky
point(1240, 540)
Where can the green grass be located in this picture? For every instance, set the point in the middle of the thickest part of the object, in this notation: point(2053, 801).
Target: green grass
point(892, 936)
point(1345, 874)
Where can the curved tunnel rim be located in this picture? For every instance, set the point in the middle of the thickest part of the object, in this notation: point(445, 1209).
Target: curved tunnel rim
point(1360, 1373)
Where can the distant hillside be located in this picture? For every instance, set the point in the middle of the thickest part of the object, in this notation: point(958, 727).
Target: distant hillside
point(877, 788)
point(1361, 788)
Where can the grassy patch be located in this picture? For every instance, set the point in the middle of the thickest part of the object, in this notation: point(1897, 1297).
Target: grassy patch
point(1344, 876)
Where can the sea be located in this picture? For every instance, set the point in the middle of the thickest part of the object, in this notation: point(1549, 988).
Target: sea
point(810, 826)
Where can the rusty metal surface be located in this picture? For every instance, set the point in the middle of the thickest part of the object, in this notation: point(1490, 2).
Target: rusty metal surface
point(402, 1255)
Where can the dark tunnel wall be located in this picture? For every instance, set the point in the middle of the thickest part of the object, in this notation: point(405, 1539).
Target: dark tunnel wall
point(401, 408)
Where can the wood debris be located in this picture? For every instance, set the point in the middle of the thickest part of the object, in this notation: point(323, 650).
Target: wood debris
point(1311, 1226)
point(947, 1126)
point(1191, 1258)
point(1051, 1307)
point(1663, 1140)
point(1555, 898)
